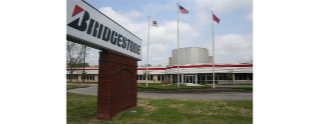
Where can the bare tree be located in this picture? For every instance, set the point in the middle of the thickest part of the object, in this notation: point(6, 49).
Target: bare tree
point(230, 75)
point(75, 55)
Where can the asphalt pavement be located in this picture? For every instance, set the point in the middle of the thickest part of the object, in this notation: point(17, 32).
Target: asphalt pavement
point(216, 96)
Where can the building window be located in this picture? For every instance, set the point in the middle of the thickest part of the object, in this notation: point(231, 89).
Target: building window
point(88, 77)
point(74, 76)
point(251, 76)
point(175, 78)
point(159, 77)
point(241, 76)
point(140, 77)
point(150, 78)
point(221, 76)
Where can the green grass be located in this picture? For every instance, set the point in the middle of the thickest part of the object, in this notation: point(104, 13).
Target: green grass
point(170, 87)
point(247, 88)
point(75, 86)
point(84, 82)
point(82, 109)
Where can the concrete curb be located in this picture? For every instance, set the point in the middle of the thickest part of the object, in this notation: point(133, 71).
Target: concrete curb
point(77, 88)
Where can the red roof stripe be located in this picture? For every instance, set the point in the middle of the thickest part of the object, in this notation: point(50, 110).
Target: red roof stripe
point(152, 69)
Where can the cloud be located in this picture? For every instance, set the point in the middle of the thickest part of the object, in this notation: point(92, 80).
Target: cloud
point(231, 48)
point(154, 50)
point(250, 17)
point(224, 6)
point(160, 60)
point(219, 7)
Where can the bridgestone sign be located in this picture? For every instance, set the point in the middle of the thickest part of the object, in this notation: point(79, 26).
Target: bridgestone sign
point(88, 26)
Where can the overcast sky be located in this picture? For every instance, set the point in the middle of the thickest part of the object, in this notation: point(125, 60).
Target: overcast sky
point(233, 36)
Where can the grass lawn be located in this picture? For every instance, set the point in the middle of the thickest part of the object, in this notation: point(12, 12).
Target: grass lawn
point(170, 87)
point(81, 109)
point(75, 86)
point(247, 88)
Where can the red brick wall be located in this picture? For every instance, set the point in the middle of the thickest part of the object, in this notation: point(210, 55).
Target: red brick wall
point(117, 84)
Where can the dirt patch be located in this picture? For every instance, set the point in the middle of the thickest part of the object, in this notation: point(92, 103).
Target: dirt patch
point(146, 106)
point(244, 112)
point(176, 105)
point(140, 121)
point(228, 114)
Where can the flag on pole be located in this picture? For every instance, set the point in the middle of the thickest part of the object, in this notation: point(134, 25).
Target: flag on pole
point(183, 10)
point(154, 23)
point(216, 19)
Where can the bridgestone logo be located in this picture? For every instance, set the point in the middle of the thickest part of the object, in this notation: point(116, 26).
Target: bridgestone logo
point(98, 30)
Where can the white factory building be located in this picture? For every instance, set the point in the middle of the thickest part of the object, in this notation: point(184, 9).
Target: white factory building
point(195, 66)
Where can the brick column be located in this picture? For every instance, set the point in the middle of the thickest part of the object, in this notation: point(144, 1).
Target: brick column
point(117, 84)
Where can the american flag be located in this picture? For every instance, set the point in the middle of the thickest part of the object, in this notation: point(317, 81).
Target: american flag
point(183, 10)
point(216, 19)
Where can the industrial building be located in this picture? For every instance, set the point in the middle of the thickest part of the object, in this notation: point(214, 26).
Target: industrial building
point(195, 67)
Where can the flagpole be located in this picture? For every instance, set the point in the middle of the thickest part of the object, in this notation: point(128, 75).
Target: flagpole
point(148, 42)
point(213, 51)
point(177, 46)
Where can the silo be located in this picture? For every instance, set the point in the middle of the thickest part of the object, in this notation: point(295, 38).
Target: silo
point(190, 55)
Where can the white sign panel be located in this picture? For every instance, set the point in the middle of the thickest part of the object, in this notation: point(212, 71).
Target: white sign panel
point(88, 26)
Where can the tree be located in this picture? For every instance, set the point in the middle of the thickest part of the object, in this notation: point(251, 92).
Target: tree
point(230, 75)
point(83, 75)
point(146, 73)
point(81, 65)
point(75, 55)
point(149, 65)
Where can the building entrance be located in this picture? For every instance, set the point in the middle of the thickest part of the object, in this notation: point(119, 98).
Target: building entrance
point(189, 78)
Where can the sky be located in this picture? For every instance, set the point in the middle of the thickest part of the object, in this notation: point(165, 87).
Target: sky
point(233, 36)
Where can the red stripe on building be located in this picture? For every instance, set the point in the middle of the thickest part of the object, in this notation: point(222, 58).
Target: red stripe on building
point(84, 69)
point(152, 69)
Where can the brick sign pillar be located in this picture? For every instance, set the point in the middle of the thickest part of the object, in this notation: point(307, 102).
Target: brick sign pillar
point(117, 90)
